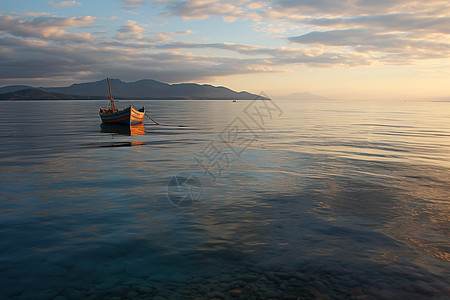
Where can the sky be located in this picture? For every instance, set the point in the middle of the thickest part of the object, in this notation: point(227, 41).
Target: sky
point(347, 49)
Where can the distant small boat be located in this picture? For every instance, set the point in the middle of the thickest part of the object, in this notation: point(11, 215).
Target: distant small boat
point(234, 100)
point(128, 116)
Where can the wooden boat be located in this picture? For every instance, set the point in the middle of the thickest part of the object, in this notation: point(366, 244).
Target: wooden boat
point(130, 130)
point(128, 116)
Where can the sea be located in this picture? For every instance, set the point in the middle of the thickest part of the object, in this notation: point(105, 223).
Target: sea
point(250, 199)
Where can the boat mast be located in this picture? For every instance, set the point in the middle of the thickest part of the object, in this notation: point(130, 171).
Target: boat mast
point(112, 100)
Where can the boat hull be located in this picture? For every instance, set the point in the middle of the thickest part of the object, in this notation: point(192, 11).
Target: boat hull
point(131, 130)
point(127, 116)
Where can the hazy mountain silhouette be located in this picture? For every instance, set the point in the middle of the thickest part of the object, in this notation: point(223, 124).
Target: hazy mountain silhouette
point(14, 88)
point(34, 94)
point(142, 89)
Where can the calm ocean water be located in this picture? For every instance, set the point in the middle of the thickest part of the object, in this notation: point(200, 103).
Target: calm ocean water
point(307, 200)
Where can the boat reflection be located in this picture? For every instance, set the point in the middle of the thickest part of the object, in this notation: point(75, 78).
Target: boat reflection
point(122, 144)
point(132, 130)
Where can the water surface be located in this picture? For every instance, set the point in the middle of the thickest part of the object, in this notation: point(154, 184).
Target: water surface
point(329, 200)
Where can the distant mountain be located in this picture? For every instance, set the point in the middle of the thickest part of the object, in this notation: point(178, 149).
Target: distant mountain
point(142, 89)
point(34, 94)
point(302, 96)
point(14, 88)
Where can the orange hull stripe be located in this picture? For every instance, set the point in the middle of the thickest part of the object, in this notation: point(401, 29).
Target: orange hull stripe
point(136, 119)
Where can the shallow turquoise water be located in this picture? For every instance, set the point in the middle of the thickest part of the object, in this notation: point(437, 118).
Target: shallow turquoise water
point(330, 200)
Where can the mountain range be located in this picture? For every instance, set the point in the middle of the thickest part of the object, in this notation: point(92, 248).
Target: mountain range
point(142, 89)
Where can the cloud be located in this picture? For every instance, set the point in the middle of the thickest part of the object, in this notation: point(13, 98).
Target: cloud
point(384, 29)
point(164, 37)
point(31, 59)
point(363, 40)
point(387, 31)
point(28, 53)
point(202, 9)
point(130, 29)
point(391, 22)
point(298, 9)
point(64, 3)
point(409, 36)
point(280, 59)
point(257, 5)
point(31, 14)
point(301, 10)
point(132, 3)
point(46, 28)
point(41, 47)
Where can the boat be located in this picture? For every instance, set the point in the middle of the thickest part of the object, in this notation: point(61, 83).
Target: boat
point(130, 130)
point(127, 116)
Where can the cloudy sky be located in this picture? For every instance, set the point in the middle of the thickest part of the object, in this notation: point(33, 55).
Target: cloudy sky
point(347, 49)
